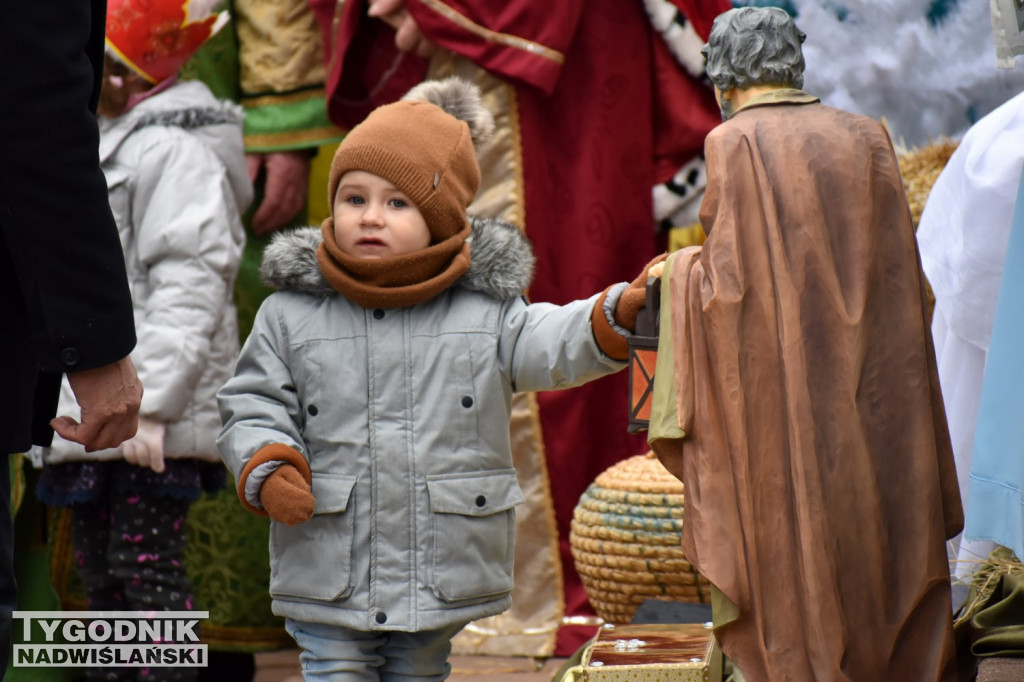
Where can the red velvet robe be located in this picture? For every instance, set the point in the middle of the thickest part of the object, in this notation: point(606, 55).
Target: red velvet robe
point(604, 114)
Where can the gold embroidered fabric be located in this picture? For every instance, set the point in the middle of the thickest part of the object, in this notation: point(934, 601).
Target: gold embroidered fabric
point(281, 46)
point(529, 627)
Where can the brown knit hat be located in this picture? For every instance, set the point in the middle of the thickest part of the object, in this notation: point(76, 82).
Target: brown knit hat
point(424, 146)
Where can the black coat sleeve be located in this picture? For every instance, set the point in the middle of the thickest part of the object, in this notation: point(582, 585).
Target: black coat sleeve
point(55, 220)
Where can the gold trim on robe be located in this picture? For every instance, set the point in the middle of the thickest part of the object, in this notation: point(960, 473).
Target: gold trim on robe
point(494, 36)
point(529, 627)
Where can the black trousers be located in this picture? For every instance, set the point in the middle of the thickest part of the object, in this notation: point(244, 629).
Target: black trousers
point(8, 594)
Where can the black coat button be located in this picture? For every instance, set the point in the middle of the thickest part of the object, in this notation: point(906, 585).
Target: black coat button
point(381, 618)
point(481, 500)
point(378, 314)
point(312, 410)
point(467, 401)
point(69, 356)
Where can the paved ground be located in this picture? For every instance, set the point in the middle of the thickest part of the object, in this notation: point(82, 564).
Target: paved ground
point(283, 666)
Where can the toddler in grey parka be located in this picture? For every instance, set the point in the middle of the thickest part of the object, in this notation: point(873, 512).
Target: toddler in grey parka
point(369, 411)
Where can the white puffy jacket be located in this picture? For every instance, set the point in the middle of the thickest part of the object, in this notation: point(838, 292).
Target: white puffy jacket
point(177, 181)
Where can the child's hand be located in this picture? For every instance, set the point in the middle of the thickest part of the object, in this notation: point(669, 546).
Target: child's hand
point(635, 297)
point(286, 497)
point(146, 448)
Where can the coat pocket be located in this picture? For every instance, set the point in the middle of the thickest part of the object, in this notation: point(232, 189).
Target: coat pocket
point(313, 560)
point(474, 533)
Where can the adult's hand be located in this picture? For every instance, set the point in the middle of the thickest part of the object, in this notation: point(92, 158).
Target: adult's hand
point(146, 448)
point(285, 186)
point(408, 36)
point(109, 397)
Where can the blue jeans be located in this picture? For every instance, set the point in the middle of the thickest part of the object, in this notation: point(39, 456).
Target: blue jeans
point(331, 653)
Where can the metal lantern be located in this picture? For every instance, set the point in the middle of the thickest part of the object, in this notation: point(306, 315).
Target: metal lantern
point(643, 356)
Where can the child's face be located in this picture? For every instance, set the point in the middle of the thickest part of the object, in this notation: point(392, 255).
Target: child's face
point(374, 219)
point(119, 83)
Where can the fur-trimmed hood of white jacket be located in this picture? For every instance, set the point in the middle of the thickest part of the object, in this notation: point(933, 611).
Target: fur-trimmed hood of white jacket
point(177, 185)
point(188, 106)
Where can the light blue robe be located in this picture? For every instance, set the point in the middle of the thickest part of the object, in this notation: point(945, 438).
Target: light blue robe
point(995, 500)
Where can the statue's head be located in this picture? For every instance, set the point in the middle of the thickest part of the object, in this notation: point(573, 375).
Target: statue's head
point(754, 46)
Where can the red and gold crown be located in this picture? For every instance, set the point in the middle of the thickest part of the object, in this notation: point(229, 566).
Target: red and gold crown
point(155, 37)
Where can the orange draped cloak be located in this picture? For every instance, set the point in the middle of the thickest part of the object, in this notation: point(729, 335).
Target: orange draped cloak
point(820, 483)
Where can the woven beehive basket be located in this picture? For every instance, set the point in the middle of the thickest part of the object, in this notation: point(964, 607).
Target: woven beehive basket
point(625, 539)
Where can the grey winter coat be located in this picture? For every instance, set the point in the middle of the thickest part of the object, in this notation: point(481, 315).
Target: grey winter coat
point(403, 416)
point(177, 184)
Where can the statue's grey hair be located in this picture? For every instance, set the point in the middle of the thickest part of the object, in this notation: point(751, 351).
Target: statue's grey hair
point(751, 46)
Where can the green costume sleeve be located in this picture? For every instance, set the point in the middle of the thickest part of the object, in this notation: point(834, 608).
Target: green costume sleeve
point(282, 122)
point(269, 58)
point(216, 62)
point(281, 76)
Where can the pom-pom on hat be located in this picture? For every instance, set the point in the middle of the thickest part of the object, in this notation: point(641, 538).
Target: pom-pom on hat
point(156, 37)
point(425, 146)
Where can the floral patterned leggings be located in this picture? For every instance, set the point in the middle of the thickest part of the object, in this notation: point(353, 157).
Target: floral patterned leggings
point(129, 553)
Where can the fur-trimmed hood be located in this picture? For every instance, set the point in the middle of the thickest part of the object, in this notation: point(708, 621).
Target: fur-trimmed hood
point(190, 106)
point(501, 263)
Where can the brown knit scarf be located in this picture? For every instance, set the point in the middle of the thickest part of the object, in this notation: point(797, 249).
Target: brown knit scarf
point(396, 281)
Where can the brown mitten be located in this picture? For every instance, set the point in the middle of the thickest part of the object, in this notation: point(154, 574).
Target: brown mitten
point(634, 297)
point(629, 304)
point(286, 496)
